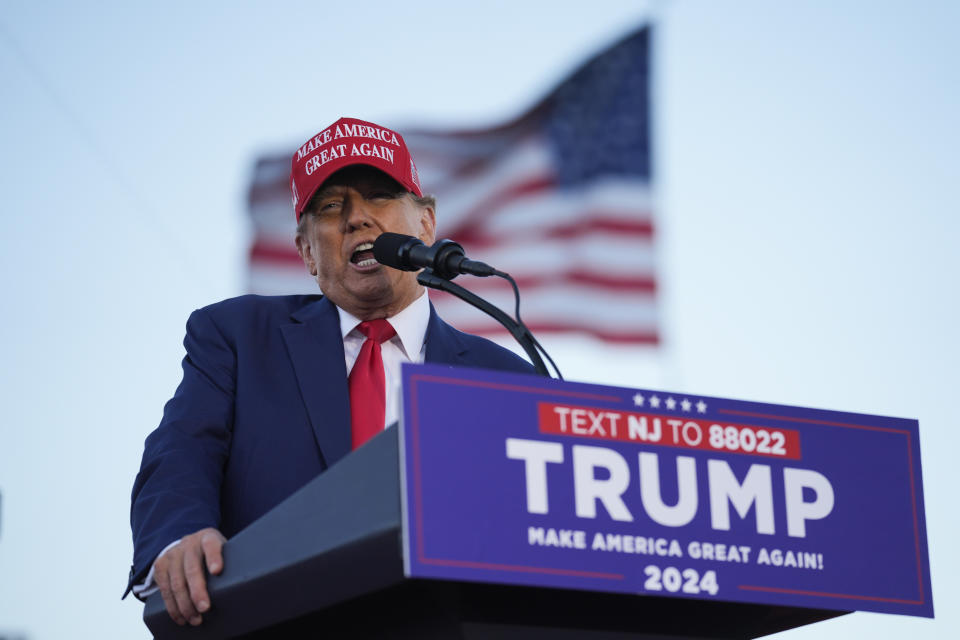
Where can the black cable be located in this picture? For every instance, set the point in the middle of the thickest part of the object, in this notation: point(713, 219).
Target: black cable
point(516, 297)
point(428, 279)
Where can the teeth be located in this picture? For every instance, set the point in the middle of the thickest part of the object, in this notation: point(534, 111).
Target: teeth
point(368, 262)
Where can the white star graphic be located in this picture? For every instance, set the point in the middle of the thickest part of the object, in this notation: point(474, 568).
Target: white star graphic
point(685, 404)
point(654, 402)
point(671, 404)
point(701, 407)
point(638, 400)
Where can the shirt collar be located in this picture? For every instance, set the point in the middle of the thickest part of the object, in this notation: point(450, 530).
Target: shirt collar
point(410, 325)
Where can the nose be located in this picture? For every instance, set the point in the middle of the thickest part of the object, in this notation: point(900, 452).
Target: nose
point(356, 214)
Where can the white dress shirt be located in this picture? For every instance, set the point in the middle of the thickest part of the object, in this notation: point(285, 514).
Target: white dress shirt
point(411, 327)
point(407, 346)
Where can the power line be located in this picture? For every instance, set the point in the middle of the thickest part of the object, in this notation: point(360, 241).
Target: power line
point(85, 135)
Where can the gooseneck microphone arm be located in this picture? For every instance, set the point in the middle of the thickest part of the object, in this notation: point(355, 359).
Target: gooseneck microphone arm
point(522, 335)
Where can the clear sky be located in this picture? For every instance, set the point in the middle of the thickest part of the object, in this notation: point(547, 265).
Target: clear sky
point(805, 187)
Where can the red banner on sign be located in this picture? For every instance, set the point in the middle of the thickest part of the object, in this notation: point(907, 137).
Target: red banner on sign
point(668, 430)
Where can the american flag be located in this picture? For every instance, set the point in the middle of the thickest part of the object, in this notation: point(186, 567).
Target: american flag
point(559, 198)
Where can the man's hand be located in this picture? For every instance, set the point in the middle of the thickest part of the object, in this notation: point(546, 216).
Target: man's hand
point(179, 574)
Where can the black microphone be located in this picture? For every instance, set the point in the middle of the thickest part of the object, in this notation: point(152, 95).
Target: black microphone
point(445, 258)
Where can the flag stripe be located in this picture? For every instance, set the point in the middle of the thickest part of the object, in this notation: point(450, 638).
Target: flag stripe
point(599, 223)
point(602, 253)
point(624, 284)
point(563, 303)
point(266, 252)
point(620, 337)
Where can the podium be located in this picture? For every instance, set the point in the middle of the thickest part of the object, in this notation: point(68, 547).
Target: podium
point(329, 560)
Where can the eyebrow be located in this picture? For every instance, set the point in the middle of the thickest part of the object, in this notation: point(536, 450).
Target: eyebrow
point(391, 187)
point(324, 192)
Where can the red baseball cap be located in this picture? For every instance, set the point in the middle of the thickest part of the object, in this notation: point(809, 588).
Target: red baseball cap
point(347, 142)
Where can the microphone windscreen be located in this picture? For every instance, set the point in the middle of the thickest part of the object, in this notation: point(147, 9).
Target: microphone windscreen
point(390, 248)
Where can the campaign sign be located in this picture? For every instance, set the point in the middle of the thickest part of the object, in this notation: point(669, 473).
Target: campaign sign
point(523, 480)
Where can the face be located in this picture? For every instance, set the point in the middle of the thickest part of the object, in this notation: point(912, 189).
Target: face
point(346, 215)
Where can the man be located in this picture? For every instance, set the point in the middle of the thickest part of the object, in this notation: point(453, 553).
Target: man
point(276, 389)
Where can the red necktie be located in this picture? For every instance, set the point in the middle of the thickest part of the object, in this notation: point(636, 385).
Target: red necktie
point(368, 397)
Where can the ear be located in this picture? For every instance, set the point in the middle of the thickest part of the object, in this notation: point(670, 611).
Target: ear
point(306, 254)
point(428, 225)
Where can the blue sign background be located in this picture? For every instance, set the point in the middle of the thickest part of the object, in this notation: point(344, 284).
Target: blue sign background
point(466, 518)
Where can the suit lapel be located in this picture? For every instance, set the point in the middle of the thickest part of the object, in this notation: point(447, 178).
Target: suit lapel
point(444, 345)
point(315, 347)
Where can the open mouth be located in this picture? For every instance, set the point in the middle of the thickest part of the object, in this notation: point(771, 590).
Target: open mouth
point(362, 256)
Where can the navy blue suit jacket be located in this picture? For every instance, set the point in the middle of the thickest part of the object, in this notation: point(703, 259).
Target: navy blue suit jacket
point(262, 409)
